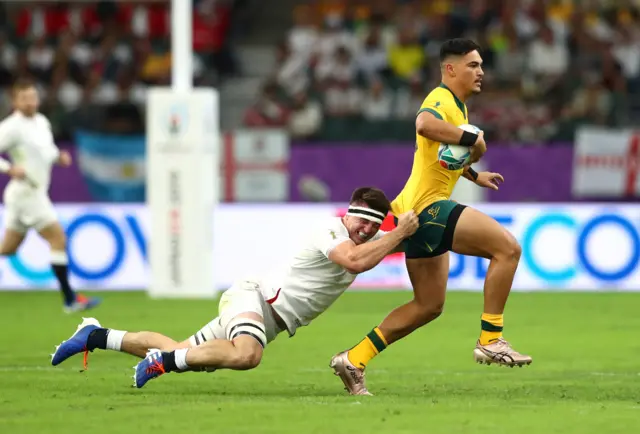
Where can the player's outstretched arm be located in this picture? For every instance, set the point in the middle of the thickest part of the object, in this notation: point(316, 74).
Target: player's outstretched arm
point(360, 258)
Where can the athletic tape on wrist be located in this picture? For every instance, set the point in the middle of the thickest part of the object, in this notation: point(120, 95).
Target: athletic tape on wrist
point(473, 173)
point(468, 139)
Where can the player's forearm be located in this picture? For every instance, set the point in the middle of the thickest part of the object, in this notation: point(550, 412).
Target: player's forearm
point(366, 256)
point(438, 130)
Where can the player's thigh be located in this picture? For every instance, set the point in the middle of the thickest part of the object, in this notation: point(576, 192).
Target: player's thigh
point(435, 231)
point(15, 229)
point(242, 312)
point(44, 219)
point(429, 279)
point(14, 235)
point(477, 234)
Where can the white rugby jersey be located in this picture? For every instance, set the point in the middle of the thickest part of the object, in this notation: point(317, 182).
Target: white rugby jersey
point(29, 143)
point(310, 283)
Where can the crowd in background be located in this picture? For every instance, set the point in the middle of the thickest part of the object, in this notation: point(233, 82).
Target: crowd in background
point(346, 69)
point(94, 61)
point(351, 68)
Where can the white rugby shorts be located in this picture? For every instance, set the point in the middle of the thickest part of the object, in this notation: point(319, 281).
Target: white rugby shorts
point(243, 297)
point(27, 208)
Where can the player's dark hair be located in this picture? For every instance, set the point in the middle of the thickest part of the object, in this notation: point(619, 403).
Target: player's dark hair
point(22, 84)
point(457, 47)
point(373, 197)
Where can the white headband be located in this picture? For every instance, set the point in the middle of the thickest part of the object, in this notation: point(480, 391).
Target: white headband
point(366, 213)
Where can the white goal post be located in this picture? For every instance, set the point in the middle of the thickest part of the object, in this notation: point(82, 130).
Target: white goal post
point(183, 142)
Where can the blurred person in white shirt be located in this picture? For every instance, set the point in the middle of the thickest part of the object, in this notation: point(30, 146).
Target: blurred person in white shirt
point(305, 119)
point(377, 103)
point(27, 137)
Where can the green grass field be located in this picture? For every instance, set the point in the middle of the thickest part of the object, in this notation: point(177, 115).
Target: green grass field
point(585, 377)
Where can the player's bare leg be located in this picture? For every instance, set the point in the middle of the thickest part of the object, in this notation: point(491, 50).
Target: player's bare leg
point(11, 241)
point(429, 280)
point(140, 343)
point(479, 235)
point(90, 336)
point(240, 354)
point(55, 236)
point(242, 351)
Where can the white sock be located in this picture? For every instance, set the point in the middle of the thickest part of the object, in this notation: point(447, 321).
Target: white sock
point(114, 339)
point(59, 257)
point(181, 359)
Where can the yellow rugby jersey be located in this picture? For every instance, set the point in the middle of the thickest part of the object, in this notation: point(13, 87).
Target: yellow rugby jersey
point(429, 182)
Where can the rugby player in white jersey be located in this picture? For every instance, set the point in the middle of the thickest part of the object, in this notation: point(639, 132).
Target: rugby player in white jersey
point(254, 311)
point(27, 137)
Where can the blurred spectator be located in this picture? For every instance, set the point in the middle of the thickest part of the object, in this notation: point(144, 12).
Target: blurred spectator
point(334, 36)
point(292, 73)
point(377, 103)
point(406, 58)
point(40, 59)
point(337, 78)
point(306, 117)
point(303, 36)
point(339, 69)
point(509, 57)
point(591, 103)
point(268, 111)
point(548, 57)
point(409, 99)
point(626, 51)
point(154, 62)
point(8, 61)
point(372, 57)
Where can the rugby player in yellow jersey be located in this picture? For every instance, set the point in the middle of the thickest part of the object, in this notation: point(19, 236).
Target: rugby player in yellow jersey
point(445, 225)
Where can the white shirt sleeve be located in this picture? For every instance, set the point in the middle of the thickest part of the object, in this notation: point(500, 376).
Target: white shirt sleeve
point(7, 136)
point(327, 239)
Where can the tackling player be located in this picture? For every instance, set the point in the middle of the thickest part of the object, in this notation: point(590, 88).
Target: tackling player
point(445, 225)
point(26, 136)
point(254, 311)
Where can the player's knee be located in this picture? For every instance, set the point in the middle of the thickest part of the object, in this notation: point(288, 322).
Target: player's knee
point(510, 249)
point(58, 242)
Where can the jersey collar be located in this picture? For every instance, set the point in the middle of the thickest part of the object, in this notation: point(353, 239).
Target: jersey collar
point(459, 103)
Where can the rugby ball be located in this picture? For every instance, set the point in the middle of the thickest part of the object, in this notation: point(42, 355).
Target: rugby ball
point(455, 157)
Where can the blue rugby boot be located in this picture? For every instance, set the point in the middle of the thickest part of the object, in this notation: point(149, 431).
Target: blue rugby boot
point(77, 343)
point(149, 368)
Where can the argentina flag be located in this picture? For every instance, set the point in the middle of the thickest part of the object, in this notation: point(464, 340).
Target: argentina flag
point(113, 166)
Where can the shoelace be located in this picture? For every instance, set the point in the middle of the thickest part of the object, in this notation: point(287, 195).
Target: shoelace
point(155, 367)
point(85, 359)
